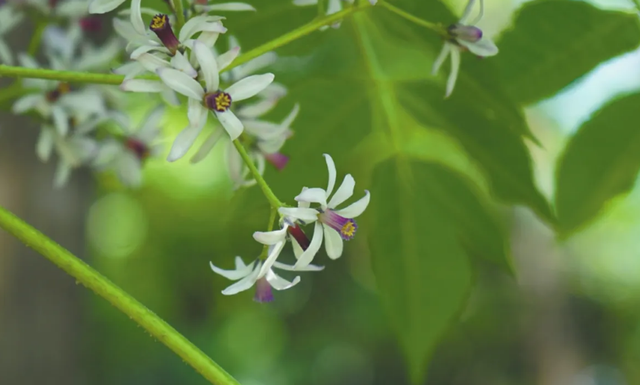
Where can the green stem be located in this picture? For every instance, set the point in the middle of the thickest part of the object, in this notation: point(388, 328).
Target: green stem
point(433, 26)
point(100, 285)
point(80, 77)
point(177, 5)
point(266, 190)
point(637, 3)
point(34, 44)
point(272, 218)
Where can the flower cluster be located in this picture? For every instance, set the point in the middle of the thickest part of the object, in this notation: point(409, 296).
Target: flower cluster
point(177, 57)
point(330, 224)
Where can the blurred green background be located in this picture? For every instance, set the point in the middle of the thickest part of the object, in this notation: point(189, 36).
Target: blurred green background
point(462, 272)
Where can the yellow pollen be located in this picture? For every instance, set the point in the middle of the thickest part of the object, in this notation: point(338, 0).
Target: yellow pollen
point(348, 229)
point(158, 21)
point(222, 102)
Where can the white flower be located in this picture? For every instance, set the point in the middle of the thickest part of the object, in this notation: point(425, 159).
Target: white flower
point(9, 18)
point(210, 97)
point(462, 37)
point(126, 155)
point(73, 151)
point(261, 274)
point(336, 224)
point(104, 6)
point(264, 141)
point(201, 6)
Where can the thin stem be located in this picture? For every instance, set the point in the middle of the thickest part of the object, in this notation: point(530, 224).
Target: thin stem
point(81, 77)
point(414, 19)
point(34, 44)
point(100, 285)
point(272, 218)
point(266, 190)
point(321, 7)
point(177, 5)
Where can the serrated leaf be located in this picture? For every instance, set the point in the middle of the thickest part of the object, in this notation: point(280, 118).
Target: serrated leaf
point(554, 42)
point(422, 272)
point(600, 162)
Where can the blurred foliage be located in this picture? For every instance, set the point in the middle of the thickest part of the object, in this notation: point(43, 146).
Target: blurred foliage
point(440, 171)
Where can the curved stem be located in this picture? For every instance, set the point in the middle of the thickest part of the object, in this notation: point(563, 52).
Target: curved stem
point(80, 77)
point(177, 5)
point(266, 190)
point(414, 19)
point(272, 218)
point(100, 285)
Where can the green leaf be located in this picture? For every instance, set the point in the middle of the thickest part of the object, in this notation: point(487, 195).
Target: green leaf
point(422, 271)
point(554, 42)
point(600, 162)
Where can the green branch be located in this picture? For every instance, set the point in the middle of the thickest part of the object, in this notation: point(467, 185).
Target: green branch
point(100, 285)
point(81, 77)
point(177, 7)
point(406, 15)
point(266, 190)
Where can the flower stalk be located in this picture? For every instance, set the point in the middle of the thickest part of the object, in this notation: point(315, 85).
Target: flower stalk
point(266, 190)
point(177, 6)
point(124, 302)
point(406, 15)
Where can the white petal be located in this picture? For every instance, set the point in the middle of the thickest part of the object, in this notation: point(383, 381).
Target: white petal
point(249, 86)
point(483, 47)
point(149, 128)
point(208, 38)
point(151, 62)
point(271, 237)
point(344, 192)
point(255, 110)
point(227, 58)
point(234, 275)
point(282, 266)
point(207, 146)
point(60, 120)
point(442, 56)
point(183, 142)
point(208, 65)
point(274, 253)
point(129, 170)
point(169, 96)
point(307, 256)
point(455, 67)
point(135, 54)
point(331, 167)
point(63, 172)
point(254, 65)
point(302, 3)
point(467, 12)
point(280, 283)
point(231, 123)
point(26, 103)
point(109, 150)
point(141, 85)
point(45, 144)
point(103, 6)
point(5, 53)
point(181, 83)
point(235, 166)
point(197, 113)
point(244, 284)
point(181, 63)
point(288, 120)
point(301, 213)
point(226, 7)
point(129, 70)
point(313, 195)
point(202, 23)
point(333, 243)
point(356, 208)
point(136, 17)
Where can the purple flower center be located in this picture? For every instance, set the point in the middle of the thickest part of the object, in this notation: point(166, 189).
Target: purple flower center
point(61, 89)
point(263, 291)
point(136, 146)
point(277, 159)
point(161, 26)
point(91, 24)
point(346, 227)
point(299, 235)
point(219, 101)
point(465, 32)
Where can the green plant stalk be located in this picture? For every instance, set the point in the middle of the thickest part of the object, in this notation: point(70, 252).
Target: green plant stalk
point(177, 6)
point(637, 3)
point(266, 190)
point(427, 24)
point(34, 44)
point(100, 285)
point(80, 77)
point(272, 217)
